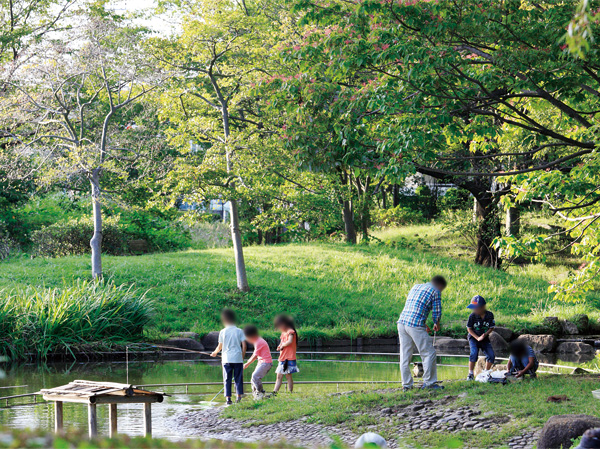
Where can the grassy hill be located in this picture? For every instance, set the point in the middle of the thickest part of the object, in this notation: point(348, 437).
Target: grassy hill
point(332, 290)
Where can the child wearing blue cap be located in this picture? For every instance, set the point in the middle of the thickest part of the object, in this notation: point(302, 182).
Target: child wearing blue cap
point(480, 325)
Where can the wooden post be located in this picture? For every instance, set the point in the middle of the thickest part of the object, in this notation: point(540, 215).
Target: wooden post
point(112, 417)
point(148, 419)
point(92, 421)
point(58, 416)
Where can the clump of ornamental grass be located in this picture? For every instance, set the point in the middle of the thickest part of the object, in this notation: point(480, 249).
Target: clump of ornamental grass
point(44, 320)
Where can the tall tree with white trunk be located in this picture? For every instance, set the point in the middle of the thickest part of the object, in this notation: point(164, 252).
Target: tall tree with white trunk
point(222, 51)
point(76, 105)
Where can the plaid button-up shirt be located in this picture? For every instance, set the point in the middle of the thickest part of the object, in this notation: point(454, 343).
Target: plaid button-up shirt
point(422, 299)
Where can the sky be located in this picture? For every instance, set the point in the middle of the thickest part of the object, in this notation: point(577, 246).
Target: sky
point(158, 23)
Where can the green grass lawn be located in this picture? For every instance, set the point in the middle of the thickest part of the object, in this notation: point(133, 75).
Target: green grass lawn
point(523, 406)
point(331, 289)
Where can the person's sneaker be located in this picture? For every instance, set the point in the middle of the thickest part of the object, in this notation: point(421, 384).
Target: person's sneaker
point(238, 399)
point(470, 377)
point(229, 402)
point(274, 394)
point(407, 388)
point(432, 387)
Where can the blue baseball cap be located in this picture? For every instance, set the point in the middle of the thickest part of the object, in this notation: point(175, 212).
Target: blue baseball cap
point(476, 301)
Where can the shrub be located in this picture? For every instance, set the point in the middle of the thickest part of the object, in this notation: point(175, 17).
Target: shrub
point(73, 236)
point(397, 216)
point(44, 320)
point(456, 199)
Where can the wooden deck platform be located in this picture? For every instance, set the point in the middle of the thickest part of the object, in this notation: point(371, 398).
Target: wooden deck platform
point(93, 393)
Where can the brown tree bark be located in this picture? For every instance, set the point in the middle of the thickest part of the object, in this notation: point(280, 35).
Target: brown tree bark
point(349, 227)
point(488, 230)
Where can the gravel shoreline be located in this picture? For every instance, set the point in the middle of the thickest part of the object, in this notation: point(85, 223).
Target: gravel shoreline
point(392, 422)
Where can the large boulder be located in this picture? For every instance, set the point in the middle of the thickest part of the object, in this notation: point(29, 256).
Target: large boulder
point(540, 343)
point(505, 333)
point(498, 343)
point(569, 328)
point(575, 347)
point(582, 321)
point(451, 345)
point(560, 430)
point(481, 364)
point(211, 340)
point(185, 343)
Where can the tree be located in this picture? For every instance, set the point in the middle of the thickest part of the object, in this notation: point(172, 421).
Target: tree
point(75, 106)
point(222, 51)
point(24, 23)
point(463, 91)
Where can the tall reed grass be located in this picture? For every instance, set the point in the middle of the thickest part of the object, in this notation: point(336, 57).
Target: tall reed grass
point(44, 320)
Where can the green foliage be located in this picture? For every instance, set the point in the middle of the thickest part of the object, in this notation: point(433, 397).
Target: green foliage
point(397, 216)
point(42, 320)
point(455, 198)
point(73, 236)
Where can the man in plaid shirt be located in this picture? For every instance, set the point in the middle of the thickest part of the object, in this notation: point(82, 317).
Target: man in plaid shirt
point(413, 331)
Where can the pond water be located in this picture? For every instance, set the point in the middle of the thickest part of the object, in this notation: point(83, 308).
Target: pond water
point(322, 367)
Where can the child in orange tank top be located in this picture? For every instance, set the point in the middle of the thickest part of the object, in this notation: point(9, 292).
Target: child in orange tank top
point(287, 355)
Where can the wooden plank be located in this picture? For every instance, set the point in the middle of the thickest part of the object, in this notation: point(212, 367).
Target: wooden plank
point(67, 398)
point(148, 419)
point(126, 399)
point(104, 399)
point(58, 417)
point(92, 421)
point(102, 384)
point(112, 418)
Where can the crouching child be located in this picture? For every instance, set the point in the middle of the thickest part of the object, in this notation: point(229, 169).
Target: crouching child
point(480, 325)
point(262, 353)
point(522, 360)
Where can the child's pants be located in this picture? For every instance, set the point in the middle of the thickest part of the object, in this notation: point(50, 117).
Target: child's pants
point(260, 371)
point(519, 364)
point(233, 371)
point(485, 346)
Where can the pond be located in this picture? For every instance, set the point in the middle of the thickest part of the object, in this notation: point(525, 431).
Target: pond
point(314, 366)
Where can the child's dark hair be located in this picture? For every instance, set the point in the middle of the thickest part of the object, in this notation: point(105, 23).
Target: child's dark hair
point(518, 348)
point(251, 331)
point(286, 321)
point(228, 315)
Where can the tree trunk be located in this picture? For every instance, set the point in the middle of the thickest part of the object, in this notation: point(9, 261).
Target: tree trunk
point(384, 198)
point(396, 195)
point(513, 221)
point(236, 238)
point(96, 241)
point(488, 230)
point(349, 222)
point(236, 235)
point(365, 221)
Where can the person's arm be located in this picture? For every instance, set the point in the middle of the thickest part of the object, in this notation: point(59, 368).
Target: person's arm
point(251, 360)
point(437, 311)
point(527, 368)
point(509, 365)
point(290, 340)
point(472, 333)
point(216, 351)
point(491, 329)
